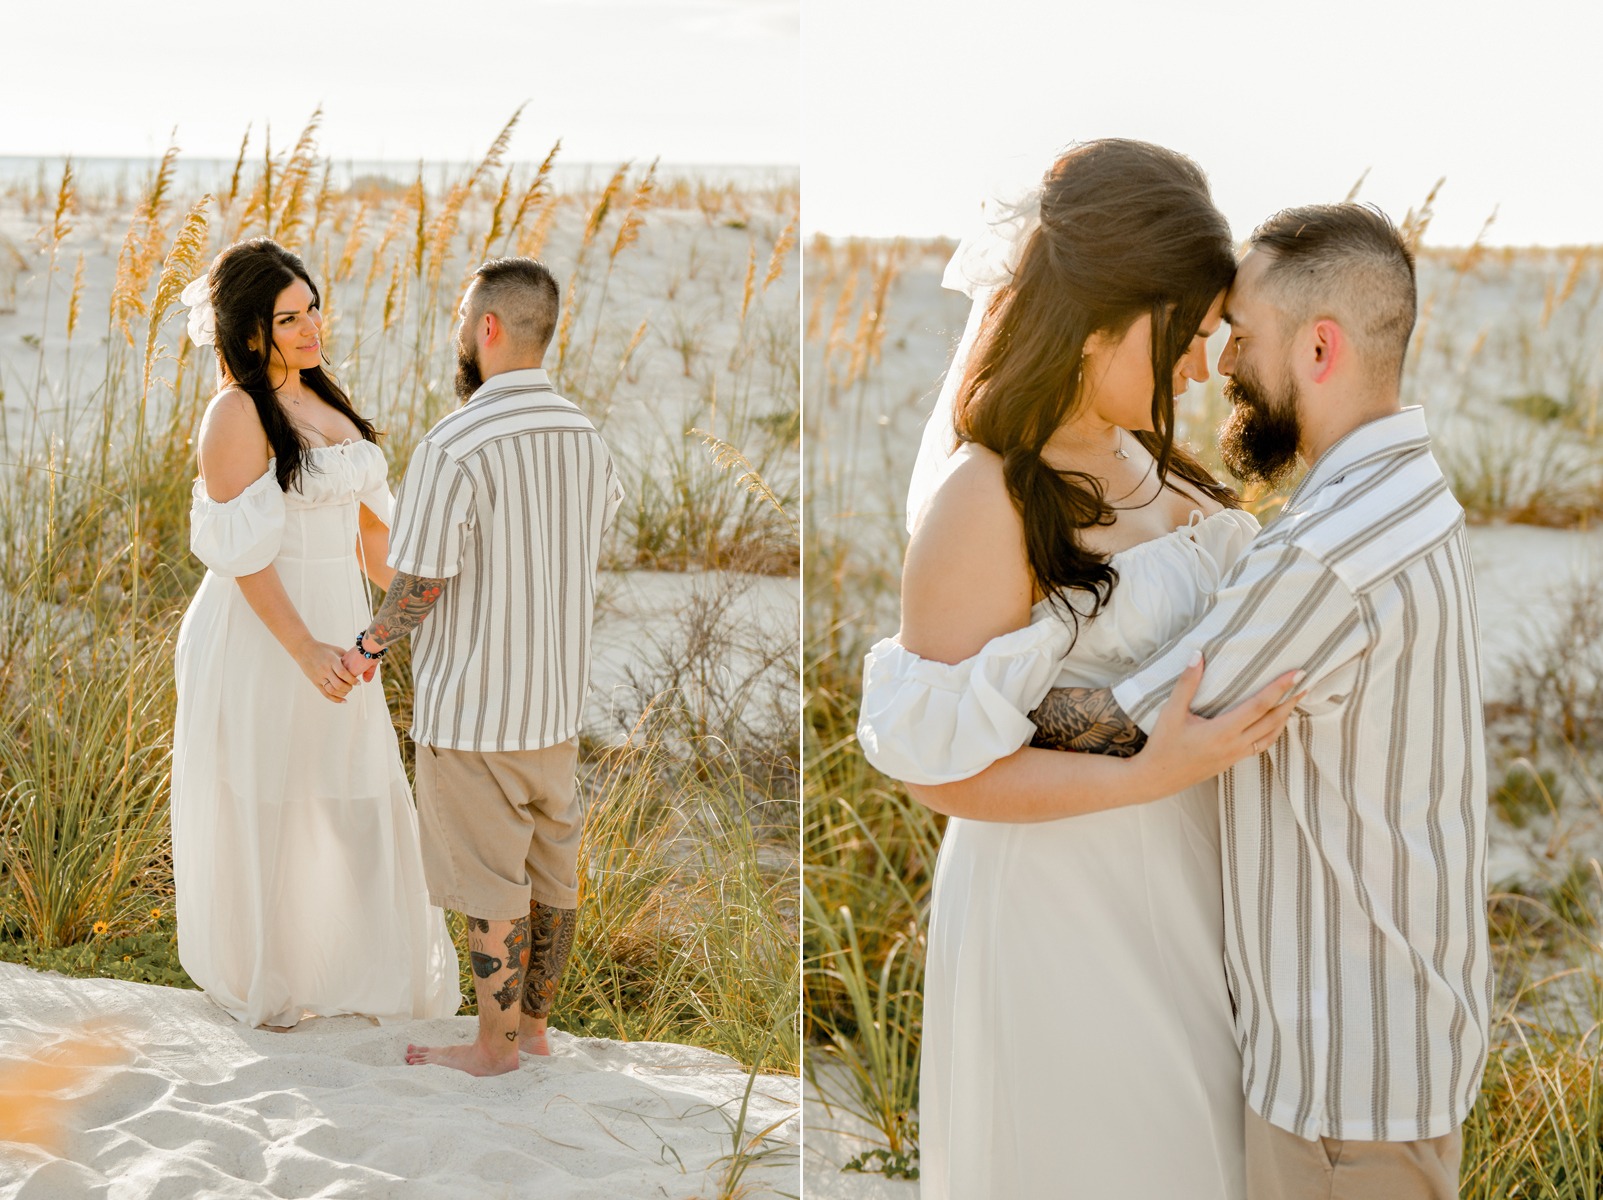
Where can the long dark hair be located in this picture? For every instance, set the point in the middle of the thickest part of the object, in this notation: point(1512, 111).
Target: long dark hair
point(245, 282)
point(1126, 228)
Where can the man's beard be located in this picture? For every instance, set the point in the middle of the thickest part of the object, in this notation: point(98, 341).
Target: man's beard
point(469, 378)
point(1258, 440)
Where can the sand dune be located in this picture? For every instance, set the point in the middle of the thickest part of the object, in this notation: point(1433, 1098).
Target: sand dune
point(192, 1104)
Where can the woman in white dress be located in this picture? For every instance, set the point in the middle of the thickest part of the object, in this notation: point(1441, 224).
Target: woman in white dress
point(295, 843)
point(1078, 1036)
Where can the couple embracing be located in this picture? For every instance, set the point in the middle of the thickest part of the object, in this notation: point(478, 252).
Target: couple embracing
point(1208, 920)
point(303, 884)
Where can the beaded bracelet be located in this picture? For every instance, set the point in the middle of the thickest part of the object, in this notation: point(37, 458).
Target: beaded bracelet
point(374, 657)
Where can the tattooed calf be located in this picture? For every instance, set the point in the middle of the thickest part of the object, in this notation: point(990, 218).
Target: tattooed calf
point(484, 965)
point(517, 947)
point(551, 930)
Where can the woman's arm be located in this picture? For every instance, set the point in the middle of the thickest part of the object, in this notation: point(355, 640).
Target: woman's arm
point(234, 453)
point(373, 546)
point(966, 581)
point(1033, 784)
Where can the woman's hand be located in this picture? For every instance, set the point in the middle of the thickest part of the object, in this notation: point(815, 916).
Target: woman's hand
point(324, 665)
point(1185, 749)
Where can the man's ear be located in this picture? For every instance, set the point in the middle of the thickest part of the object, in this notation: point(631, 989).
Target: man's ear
point(1329, 349)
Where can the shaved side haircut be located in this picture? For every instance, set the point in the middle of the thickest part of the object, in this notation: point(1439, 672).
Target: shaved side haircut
point(1347, 263)
point(523, 295)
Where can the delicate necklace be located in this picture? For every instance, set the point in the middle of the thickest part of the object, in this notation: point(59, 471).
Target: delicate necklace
point(1118, 450)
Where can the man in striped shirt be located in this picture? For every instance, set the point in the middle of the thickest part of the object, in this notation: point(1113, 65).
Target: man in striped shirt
point(497, 534)
point(1354, 846)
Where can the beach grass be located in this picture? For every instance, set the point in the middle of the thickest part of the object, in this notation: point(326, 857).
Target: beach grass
point(689, 910)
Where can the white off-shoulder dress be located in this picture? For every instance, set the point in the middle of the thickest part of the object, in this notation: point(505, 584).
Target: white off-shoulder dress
point(1078, 1039)
point(295, 843)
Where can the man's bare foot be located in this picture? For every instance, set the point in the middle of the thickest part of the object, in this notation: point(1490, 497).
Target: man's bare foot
point(472, 1058)
point(534, 1043)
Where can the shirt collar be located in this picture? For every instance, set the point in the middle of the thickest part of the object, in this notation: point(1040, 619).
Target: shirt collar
point(520, 379)
point(1383, 437)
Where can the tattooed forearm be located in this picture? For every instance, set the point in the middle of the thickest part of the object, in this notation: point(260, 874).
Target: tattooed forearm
point(551, 931)
point(1088, 720)
point(406, 603)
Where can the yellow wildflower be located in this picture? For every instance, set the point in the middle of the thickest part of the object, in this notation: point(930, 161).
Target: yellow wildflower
point(100, 927)
point(155, 914)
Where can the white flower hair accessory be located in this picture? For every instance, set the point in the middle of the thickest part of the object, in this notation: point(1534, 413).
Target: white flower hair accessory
point(202, 320)
point(984, 261)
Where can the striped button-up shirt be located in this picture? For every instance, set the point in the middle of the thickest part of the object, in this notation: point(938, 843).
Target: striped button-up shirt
point(507, 498)
point(1354, 847)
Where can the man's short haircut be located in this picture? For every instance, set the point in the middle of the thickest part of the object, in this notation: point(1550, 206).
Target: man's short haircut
point(1346, 262)
point(524, 295)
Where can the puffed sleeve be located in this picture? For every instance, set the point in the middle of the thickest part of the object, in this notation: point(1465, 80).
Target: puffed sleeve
point(239, 536)
point(614, 496)
point(929, 722)
point(379, 499)
point(1222, 541)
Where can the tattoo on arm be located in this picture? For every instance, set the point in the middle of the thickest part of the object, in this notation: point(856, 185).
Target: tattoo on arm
point(1088, 720)
point(406, 603)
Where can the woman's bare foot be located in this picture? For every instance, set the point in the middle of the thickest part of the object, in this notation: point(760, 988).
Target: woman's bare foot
point(472, 1058)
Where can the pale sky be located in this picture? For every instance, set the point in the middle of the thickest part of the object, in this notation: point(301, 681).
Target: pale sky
point(914, 109)
point(710, 81)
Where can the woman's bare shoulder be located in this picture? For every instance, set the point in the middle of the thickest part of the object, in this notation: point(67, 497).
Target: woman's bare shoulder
point(966, 579)
point(234, 450)
point(232, 410)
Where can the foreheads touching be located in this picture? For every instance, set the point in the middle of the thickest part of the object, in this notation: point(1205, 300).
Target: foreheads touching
point(1345, 263)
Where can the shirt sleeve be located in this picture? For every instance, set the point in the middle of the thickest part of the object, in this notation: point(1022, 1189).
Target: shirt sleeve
point(433, 515)
point(614, 496)
point(1279, 609)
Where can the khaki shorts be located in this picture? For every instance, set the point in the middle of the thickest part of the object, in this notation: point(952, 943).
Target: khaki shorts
point(1282, 1166)
point(500, 828)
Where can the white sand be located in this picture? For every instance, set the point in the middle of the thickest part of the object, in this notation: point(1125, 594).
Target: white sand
point(833, 1137)
point(201, 1106)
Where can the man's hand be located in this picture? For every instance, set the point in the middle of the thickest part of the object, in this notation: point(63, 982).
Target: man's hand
point(358, 664)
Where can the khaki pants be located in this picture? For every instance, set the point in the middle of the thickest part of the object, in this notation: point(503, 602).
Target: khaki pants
point(1282, 1166)
point(500, 829)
